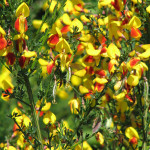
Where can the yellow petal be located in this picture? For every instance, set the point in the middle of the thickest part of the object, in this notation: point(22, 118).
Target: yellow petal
point(91, 50)
point(26, 120)
point(23, 9)
point(83, 90)
point(58, 32)
point(86, 37)
point(9, 148)
point(62, 94)
point(145, 55)
point(117, 85)
point(134, 22)
point(53, 5)
point(86, 146)
point(29, 54)
point(136, 1)
point(100, 138)
point(133, 80)
point(148, 9)
point(5, 79)
point(43, 62)
point(68, 6)
point(46, 107)
point(75, 80)
point(84, 18)
point(63, 58)
point(120, 96)
point(66, 19)
point(2, 31)
point(49, 117)
point(130, 132)
point(100, 80)
point(145, 46)
point(102, 3)
point(63, 45)
point(20, 36)
point(76, 23)
point(113, 51)
point(74, 106)
point(37, 24)
point(80, 73)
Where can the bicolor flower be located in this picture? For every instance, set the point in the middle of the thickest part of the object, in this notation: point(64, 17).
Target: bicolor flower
point(64, 53)
point(3, 42)
point(47, 67)
point(118, 5)
point(74, 106)
point(99, 138)
point(25, 58)
point(21, 23)
point(54, 38)
point(132, 134)
point(49, 117)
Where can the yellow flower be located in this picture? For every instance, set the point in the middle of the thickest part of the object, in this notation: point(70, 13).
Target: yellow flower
point(148, 9)
point(49, 117)
point(5, 79)
point(76, 23)
point(74, 106)
point(132, 134)
point(113, 51)
point(23, 9)
point(102, 3)
point(134, 22)
point(99, 138)
point(9, 148)
point(100, 80)
point(52, 5)
point(91, 50)
point(37, 24)
point(133, 80)
point(75, 80)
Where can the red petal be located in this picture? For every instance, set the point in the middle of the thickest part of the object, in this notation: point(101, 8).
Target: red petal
point(116, 5)
point(54, 39)
point(3, 43)
point(135, 33)
point(110, 65)
point(89, 70)
point(11, 58)
point(101, 73)
point(65, 29)
point(133, 140)
point(134, 61)
point(26, 26)
point(103, 50)
point(17, 25)
point(22, 60)
point(99, 87)
point(89, 59)
point(49, 68)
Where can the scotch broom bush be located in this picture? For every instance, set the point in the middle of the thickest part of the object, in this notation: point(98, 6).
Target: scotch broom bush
point(75, 74)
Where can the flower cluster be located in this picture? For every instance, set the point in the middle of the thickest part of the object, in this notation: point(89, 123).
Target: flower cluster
point(100, 59)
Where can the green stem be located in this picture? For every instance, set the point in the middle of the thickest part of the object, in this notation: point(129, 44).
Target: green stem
point(35, 117)
point(146, 90)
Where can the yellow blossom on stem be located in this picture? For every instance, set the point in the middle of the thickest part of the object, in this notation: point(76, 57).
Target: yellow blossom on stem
point(132, 134)
point(74, 106)
point(49, 117)
point(99, 138)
